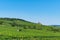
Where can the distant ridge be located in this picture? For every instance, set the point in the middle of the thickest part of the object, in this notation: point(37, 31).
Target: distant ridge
point(56, 25)
point(11, 19)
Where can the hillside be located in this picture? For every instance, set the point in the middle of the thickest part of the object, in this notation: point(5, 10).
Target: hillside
point(19, 29)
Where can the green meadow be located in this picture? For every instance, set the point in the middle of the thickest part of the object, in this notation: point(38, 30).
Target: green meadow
point(18, 29)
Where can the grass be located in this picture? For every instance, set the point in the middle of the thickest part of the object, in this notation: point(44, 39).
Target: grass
point(14, 29)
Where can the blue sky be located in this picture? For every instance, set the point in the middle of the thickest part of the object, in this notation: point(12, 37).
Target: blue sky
point(45, 11)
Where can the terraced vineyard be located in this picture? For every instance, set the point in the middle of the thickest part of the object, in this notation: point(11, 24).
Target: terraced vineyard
point(18, 29)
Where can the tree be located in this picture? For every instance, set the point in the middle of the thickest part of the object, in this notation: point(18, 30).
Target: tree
point(1, 22)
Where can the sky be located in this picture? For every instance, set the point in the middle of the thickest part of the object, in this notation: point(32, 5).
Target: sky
point(46, 12)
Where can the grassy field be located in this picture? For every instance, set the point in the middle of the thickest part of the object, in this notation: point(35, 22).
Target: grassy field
point(18, 29)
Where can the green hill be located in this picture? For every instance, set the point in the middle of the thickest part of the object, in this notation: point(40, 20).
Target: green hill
point(19, 29)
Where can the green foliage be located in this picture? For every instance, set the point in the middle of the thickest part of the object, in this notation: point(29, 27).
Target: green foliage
point(18, 29)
